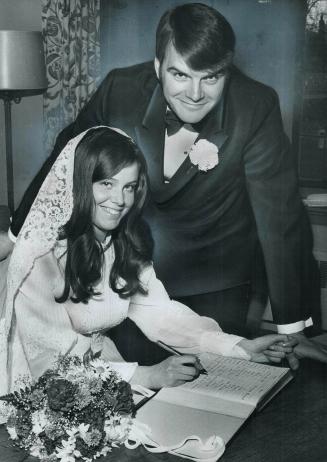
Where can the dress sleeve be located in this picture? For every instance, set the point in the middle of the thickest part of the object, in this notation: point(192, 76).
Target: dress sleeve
point(110, 354)
point(166, 320)
point(42, 332)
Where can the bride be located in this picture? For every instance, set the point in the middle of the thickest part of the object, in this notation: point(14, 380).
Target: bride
point(82, 264)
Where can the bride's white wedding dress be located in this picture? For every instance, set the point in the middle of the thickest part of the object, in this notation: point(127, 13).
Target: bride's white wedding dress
point(42, 328)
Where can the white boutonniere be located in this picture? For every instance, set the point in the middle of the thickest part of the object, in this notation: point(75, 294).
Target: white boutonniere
point(204, 154)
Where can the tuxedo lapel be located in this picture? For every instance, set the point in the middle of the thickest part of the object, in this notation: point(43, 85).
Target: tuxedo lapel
point(218, 138)
point(150, 136)
point(213, 130)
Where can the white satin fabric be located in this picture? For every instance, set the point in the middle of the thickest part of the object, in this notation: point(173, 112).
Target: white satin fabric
point(192, 447)
point(43, 328)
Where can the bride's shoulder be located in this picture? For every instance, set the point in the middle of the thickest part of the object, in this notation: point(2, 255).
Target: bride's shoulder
point(146, 274)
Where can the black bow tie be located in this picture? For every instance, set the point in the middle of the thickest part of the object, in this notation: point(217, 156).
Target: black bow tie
point(174, 123)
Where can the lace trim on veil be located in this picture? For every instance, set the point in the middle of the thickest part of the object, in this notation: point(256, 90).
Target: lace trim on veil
point(50, 211)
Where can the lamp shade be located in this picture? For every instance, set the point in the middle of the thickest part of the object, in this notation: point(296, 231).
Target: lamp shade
point(22, 64)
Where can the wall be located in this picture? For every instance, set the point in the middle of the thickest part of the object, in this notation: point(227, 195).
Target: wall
point(269, 34)
point(27, 117)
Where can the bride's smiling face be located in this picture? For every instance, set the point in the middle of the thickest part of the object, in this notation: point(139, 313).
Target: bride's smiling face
point(113, 198)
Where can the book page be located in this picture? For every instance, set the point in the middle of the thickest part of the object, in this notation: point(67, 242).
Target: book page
point(235, 379)
point(181, 397)
point(232, 387)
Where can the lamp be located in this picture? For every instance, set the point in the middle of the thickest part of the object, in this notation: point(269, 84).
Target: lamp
point(22, 73)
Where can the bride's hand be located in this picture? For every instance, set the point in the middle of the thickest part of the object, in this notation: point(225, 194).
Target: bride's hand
point(171, 372)
point(272, 348)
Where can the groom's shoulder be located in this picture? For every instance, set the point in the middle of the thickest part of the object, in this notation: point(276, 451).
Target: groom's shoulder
point(139, 69)
point(138, 75)
point(126, 91)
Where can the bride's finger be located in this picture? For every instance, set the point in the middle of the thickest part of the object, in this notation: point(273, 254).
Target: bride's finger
point(280, 347)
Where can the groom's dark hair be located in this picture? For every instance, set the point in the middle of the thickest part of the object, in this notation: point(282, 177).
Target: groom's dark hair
point(199, 33)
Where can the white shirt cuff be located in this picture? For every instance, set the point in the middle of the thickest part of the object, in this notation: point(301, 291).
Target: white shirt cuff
point(11, 236)
point(294, 327)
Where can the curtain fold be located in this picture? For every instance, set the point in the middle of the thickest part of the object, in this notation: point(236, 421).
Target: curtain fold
point(71, 30)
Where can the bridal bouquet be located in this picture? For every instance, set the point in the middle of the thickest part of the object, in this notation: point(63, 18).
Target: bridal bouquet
point(73, 412)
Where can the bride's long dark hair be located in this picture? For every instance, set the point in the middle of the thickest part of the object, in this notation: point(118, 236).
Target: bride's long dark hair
point(101, 154)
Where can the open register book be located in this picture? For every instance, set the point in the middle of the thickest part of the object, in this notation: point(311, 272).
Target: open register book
point(213, 404)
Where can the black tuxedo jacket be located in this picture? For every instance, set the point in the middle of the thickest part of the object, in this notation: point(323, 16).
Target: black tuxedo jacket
point(206, 226)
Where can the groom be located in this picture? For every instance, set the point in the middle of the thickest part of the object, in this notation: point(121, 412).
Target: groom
point(209, 219)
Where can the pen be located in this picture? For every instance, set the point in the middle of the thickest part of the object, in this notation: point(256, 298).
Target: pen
point(178, 353)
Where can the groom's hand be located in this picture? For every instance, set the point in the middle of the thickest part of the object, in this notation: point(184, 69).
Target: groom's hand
point(304, 347)
point(308, 348)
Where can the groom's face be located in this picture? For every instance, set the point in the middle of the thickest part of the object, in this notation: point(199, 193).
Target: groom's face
point(190, 94)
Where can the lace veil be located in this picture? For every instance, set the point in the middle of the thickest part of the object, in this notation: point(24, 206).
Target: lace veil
point(51, 209)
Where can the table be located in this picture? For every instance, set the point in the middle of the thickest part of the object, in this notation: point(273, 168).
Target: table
point(292, 428)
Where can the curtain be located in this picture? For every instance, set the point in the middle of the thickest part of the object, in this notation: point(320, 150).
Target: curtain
point(71, 30)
